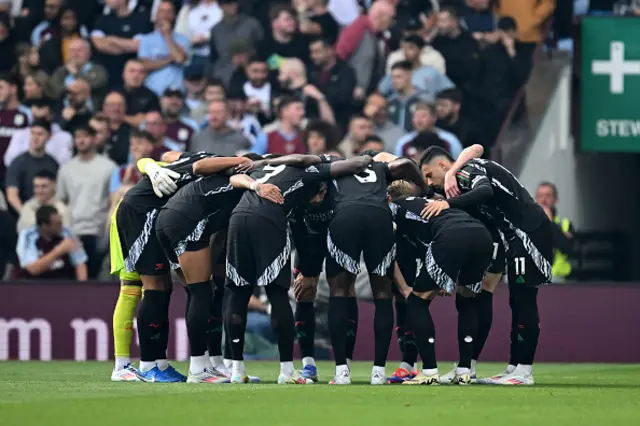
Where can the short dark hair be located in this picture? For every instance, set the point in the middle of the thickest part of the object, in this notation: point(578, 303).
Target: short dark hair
point(327, 130)
point(424, 140)
point(415, 40)
point(402, 65)
point(43, 102)
point(374, 138)
point(285, 101)
point(142, 134)
point(85, 128)
point(41, 122)
point(214, 81)
point(10, 78)
point(277, 9)
point(45, 174)
point(451, 10)
point(256, 59)
point(548, 184)
point(44, 214)
point(321, 39)
point(434, 152)
point(453, 95)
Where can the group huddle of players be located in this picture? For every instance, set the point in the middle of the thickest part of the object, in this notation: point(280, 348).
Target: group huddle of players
point(228, 225)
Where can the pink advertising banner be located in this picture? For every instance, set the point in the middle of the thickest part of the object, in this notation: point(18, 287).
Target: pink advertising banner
point(72, 321)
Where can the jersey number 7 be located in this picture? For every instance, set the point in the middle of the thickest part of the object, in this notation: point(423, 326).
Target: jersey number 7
point(271, 172)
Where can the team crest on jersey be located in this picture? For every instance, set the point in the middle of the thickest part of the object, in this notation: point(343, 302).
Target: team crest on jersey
point(183, 134)
point(18, 120)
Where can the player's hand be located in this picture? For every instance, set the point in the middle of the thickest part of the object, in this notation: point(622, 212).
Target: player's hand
point(451, 184)
point(406, 291)
point(246, 166)
point(68, 113)
point(269, 192)
point(304, 288)
point(162, 179)
point(433, 209)
point(69, 245)
point(313, 92)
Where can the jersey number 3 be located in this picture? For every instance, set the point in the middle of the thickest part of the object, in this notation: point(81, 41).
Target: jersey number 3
point(271, 171)
point(366, 176)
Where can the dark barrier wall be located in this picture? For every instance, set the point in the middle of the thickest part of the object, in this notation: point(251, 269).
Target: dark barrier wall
point(49, 320)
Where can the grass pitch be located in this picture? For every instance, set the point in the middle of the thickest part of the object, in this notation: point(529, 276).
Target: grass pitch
point(67, 393)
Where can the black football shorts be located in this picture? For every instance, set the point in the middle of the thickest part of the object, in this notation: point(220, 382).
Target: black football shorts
point(530, 256)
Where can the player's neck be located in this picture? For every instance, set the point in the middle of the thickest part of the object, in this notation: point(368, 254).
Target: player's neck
point(37, 152)
point(122, 11)
point(281, 37)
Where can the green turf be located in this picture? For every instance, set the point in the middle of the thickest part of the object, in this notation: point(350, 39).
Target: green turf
point(65, 393)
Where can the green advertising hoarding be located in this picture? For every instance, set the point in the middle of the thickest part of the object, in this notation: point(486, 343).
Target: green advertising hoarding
point(610, 85)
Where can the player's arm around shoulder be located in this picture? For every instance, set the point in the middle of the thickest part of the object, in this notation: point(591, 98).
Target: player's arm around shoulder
point(212, 165)
point(407, 169)
point(294, 160)
point(265, 190)
point(450, 182)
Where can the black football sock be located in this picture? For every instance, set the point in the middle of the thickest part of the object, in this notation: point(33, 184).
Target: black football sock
point(513, 332)
point(484, 310)
point(150, 322)
point(236, 320)
point(188, 301)
point(382, 330)
point(306, 328)
point(166, 327)
point(197, 320)
point(352, 326)
point(282, 320)
point(467, 329)
point(401, 320)
point(423, 328)
point(337, 314)
point(214, 329)
point(528, 324)
point(225, 313)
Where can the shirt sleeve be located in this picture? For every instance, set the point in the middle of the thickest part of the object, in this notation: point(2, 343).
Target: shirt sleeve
point(115, 181)
point(26, 248)
point(260, 145)
point(320, 171)
point(78, 257)
point(61, 188)
point(144, 48)
point(183, 42)
point(470, 177)
point(13, 174)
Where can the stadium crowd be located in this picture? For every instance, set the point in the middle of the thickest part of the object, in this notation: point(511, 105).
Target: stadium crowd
point(88, 88)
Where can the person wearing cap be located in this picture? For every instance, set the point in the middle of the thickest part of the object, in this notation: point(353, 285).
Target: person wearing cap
point(235, 34)
point(428, 56)
point(179, 128)
point(426, 79)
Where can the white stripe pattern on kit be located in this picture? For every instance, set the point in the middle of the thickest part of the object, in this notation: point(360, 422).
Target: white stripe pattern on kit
point(139, 244)
point(436, 273)
point(543, 265)
point(273, 270)
point(386, 263)
point(233, 275)
point(341, 258)
point(195, 235)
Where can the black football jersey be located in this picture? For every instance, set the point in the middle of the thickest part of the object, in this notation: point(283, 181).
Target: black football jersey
point(367, 188)
point(297, 185)
point(142, 198)
point(421, 232)
point(205, 196)
point(512, 206)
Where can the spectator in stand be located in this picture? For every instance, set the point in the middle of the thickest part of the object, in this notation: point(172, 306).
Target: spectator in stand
point(240, 119)
point(60, 143)
point(13, 116)
point(234, 26)
point(479, 19)
point(56, 51)
point(114, 37)
point(37, 86)
point(419, 144)
point(44, 193)
point(195, 21)
point(287, 137)
point(283, 41)
point(126, 176)
point(531, 17)
point(293, 82)
point(7, 44)
point(259, 90)
point(459, 49)
point(78, 65)
point(427, 56)
point(179, 129)
point(9, 238)
point(508, 64)
point(372, 143)
point(448, 108)
point(48, 250)
point(45, 29)
point(194, 84)
point(376, 110)
point(234, 75)
point(23, 169)
point(358, 44)
point(320, 137)
point(213, 91)
point(100, 125)
point(360, 128)
point(217, 136)
point(83, 183)
point(316, 21)
point(404, 96)
point(334, 78)
point(77, 105)
point(426, 79)
point(139, 99)
point(164, 52)
point(345, 11)
point(155, 125)
point(117, 148)
point(424, 120)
